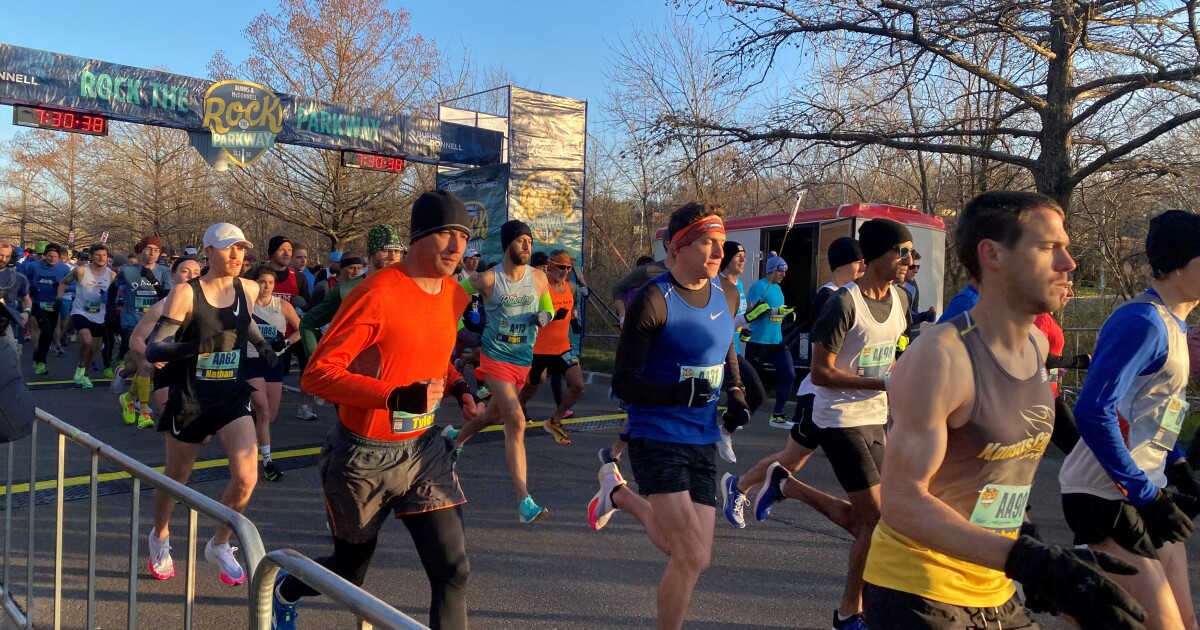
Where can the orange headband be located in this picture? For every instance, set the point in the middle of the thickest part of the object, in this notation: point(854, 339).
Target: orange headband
point(695, 230)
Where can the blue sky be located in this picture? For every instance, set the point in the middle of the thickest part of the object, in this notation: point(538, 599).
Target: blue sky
point(560, 47)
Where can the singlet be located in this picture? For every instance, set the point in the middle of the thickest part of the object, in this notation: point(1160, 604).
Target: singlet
point(213, 379)
point(140, 295)
point(510, 333)
point(1151, 414)
point(555, 337)
point(768, 327)
point(287, 288)
point(806, 387)
point(692, 344)
point(868, 350)
point(271, 323)
point(91, 295)
point(985, 476)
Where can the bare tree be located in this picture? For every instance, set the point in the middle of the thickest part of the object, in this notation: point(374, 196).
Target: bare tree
point(58, 174)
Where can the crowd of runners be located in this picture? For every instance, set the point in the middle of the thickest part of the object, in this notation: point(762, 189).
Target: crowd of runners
point(935, 450)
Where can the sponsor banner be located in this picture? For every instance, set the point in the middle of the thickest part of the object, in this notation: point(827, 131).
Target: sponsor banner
point(484, 190)
point(548, 132)
point(551, 202)
point(150, 97)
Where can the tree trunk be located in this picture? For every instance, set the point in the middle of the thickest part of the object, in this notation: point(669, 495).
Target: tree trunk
point(1053, 173)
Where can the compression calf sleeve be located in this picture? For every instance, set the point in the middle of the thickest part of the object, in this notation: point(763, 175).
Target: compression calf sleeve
point(143, 389)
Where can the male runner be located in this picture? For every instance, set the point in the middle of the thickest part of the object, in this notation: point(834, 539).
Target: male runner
point(470, 265)
point(384, 248)
point(88, 309)
point(972, 415)
point(1130, 413)
point(300, 264)
point(517, 302)
point(764, 339)
point(673, 353)
point(14, 297)
point(203, 331)
point(733, 264)
point(854, 345)
point(142, 286)
point(44, 276)
point(846, 262)
point(552, 350)
point(385, 363)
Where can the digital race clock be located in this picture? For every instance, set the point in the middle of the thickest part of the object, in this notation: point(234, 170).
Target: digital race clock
point(372, 162)
point(60, 120)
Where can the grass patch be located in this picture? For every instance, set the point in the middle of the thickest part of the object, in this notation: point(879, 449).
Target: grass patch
point(598, 359)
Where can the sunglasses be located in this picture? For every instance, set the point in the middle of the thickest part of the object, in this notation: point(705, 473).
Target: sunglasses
point(904, 251)
point(914, 267)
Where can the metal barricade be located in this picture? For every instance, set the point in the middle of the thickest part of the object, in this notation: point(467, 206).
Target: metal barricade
point(371, 611)
point(196, 502)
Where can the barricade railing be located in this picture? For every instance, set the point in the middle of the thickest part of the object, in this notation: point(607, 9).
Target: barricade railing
point(372, 612)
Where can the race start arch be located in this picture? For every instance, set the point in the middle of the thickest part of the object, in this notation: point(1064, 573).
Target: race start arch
point(522, 156)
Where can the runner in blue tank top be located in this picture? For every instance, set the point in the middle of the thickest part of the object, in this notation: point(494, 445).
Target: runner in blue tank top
point(675, 348)
point(517, 302)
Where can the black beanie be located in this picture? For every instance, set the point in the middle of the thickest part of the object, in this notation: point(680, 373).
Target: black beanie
point(878, 236)
point(436, 211)
point(843, 251)
point(275, 243)
point(511, 230)
point(731, 249)
point(1172, 241)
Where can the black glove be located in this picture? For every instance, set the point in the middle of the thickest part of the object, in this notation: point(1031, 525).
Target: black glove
point(153, 281)
point(692, 392)
point(267, 353)
point(561, 314)
point(1179, 475)
point(1037, 599)
point(737, 412)
point(279, 345)
point(1165, 522)
point(409, 399)
point(1187, 503)
point(1073, 580)
point(461, 390)
point(541, 318)
point(576, 327)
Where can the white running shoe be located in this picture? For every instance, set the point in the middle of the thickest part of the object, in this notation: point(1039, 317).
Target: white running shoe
point(222, 556)
point(160, 563)
point(304, 412)
point(601, 507)
point(725, 447)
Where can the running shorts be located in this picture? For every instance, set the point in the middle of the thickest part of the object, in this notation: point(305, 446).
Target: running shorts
point(889, 609)
point(804, 431)
point(82, 323)
point(192, 424)
point(1095, 519)
point(666, 467)
point(517, 375)
point(856, 454)
point(553, 363)
point(257, 368)
point(364, 480)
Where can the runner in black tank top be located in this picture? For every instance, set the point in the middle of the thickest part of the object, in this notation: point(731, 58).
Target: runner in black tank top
point(202, 335)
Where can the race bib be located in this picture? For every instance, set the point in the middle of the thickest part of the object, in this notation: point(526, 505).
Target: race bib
point(143, 303)
point(407, 422)
point(512, 332)
point(714, 374)
point(570, 359)
point(875, 360)
point(46, 306)
point(1000, 507)
point(1171, 423)
point(218, 366)
point(269, 332)
point(777, 319)
point(92, 307)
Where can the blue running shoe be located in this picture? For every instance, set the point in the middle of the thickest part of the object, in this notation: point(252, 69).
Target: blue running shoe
point(734, 500)
point(771, 491)
point(530, 511)
point(855, 622)
point(283, 615)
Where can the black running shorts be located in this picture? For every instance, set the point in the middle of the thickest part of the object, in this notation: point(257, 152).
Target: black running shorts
point(1095, 519)
point(889, 609)
point(804, 431)
point(82, 323)
point(365, 480)
point(856, 454)
point(551, 363)
point(666, 467)
point(193, 424)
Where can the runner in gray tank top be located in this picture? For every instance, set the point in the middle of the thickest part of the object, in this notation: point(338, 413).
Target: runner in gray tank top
point(972, 414)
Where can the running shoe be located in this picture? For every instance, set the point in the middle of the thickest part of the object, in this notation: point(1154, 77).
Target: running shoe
point(601, 507)
point(160, 564)
point(734, 501)
point(304, 412)
point(771, 491)
point(222, 556)
point(855, 622)
point(145, 418)
point(108, 372)
point(283, 614)
point(780, 421)
point(58, 350)
point(725, 447)
point(81, 378)
point(556, 429)
point(606, 456)
point(39, 369)
point(530, 511)
point(450, 433)
point(570, 413)
point(271, 472)
point(128, 410)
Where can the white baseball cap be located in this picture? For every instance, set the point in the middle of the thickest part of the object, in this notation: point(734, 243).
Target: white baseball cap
point(224, 236)
point(471, 252)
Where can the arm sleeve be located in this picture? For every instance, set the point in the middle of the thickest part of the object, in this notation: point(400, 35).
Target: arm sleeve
point(1116, 364)
point(465, 283)
point(1077, 362)
point(643, 322)
point(162, 347)
point(355, 328)
point(834, 320)
point(317, 317)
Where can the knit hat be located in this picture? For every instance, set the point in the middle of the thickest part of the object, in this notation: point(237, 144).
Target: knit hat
point(878, 236)
point(731, 249)
point(435, 211)
point(349, 261)
point(511, 231)
point(275, 243)
point(335, 256)
point(1172, 241)
point(776, 263)
point(383, 237)
point(843, 251)
point(40, 247)
point(146, 242)
point(538, 259)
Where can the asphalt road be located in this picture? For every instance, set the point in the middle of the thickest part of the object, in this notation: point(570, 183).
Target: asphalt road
point(786, 572)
